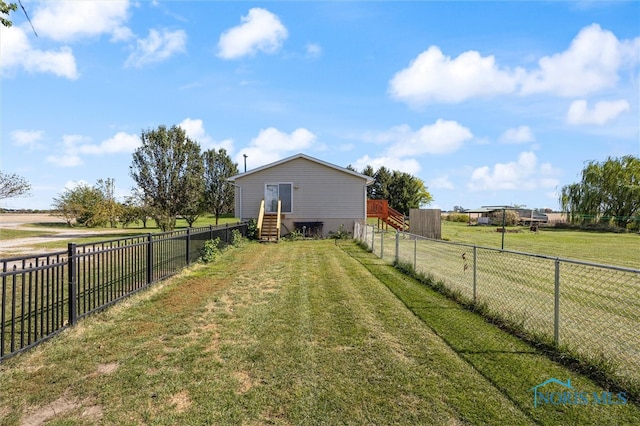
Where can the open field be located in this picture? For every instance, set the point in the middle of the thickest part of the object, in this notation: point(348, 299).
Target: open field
point(598, 247)
point(305, 332)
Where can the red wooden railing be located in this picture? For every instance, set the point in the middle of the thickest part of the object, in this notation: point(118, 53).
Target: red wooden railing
point(386, 214)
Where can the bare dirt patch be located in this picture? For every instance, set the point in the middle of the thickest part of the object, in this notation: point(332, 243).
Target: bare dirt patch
point(181, 401)
point(60, 407)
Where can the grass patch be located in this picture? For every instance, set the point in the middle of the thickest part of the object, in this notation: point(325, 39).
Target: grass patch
point(304, 332)
point(12, 234)
point(603, 248)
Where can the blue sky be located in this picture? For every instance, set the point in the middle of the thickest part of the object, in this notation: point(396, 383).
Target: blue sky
point(489, 103)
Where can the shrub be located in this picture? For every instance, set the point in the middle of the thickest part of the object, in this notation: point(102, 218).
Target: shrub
point(211, 250)
point(252, 229)
point(457, 217)
point(237, 240)
point(340, 234)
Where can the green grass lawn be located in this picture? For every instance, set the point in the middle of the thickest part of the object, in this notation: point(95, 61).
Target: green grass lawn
point(598, 247)
point(305, 332)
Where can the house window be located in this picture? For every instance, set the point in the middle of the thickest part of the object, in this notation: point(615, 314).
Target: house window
point(278, 191)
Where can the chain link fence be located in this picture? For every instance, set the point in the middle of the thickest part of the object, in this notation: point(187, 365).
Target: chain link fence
point(589, 311)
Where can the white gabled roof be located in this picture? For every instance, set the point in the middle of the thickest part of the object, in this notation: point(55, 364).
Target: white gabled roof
point(368, 179)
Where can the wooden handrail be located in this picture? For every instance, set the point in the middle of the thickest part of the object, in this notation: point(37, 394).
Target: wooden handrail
point(260, 219)
point(278, 220)
point(388, 215)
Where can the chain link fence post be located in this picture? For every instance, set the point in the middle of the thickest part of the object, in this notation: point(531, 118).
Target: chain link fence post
point(415, 253)
point(475, 273)
point(556, 306)
point(397, 247)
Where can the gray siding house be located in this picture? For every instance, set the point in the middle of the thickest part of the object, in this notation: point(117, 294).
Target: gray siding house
point(315, 196)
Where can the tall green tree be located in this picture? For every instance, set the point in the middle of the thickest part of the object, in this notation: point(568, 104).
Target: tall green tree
point(407, 192)
point(608, 191)
point(368, 170)
point(13, 185)
point(168, 169)
point(380, 187)
point(219, 193)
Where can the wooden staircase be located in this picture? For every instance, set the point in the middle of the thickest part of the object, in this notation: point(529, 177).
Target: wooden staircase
point(269, 225)
point(387, 215)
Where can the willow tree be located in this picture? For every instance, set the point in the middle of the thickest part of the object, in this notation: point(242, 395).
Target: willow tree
point(608, 191)
point(169, 172)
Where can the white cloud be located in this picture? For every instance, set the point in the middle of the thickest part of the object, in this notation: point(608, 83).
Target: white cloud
point(271, 145)
point(434, 77)
point(522, 134)
point(442, 137)
point(71, 20)
point(441, 182)
point(524, 174)
point(411, 165)
point(27, 138)
point(157, 47)
point(314, 50)
point(260, 30)
point(591, 63)
point(121, 142)
point(601, 113)
point(16, 52)
point(194, 128)
point(68, 152)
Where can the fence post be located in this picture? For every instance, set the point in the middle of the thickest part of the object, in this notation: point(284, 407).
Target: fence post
point(373, 239)
point(73, 312)
point(397, 247)
point(211, 232)
point(226, 234)
point(149, 258)
point(188, 246)
point(415, 253)
point(475, 273)
point(556, 307)
point(382, 245)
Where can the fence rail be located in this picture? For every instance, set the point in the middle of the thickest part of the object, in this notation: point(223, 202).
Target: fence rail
point(41, 295)
point(591, 311)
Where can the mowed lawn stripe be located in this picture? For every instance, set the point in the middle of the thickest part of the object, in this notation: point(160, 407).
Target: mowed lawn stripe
point(511, 365)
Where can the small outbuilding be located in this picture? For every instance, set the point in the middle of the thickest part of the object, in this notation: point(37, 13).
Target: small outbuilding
point(301, 193)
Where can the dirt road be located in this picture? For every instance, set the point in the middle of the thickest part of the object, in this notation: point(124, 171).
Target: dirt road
point(27, 245)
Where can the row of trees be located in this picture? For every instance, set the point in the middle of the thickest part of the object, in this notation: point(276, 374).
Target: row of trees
point(609, 191)
point(403, 190)
point(174, 179)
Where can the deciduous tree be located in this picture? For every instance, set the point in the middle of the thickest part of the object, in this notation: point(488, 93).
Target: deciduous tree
point(12, 185)
point(608, 191)
point(218, 193)
point(80, 205)
point(5, 9)
point(168, 169)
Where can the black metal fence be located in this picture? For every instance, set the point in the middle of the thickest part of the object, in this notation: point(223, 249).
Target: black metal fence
point(43, 294)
